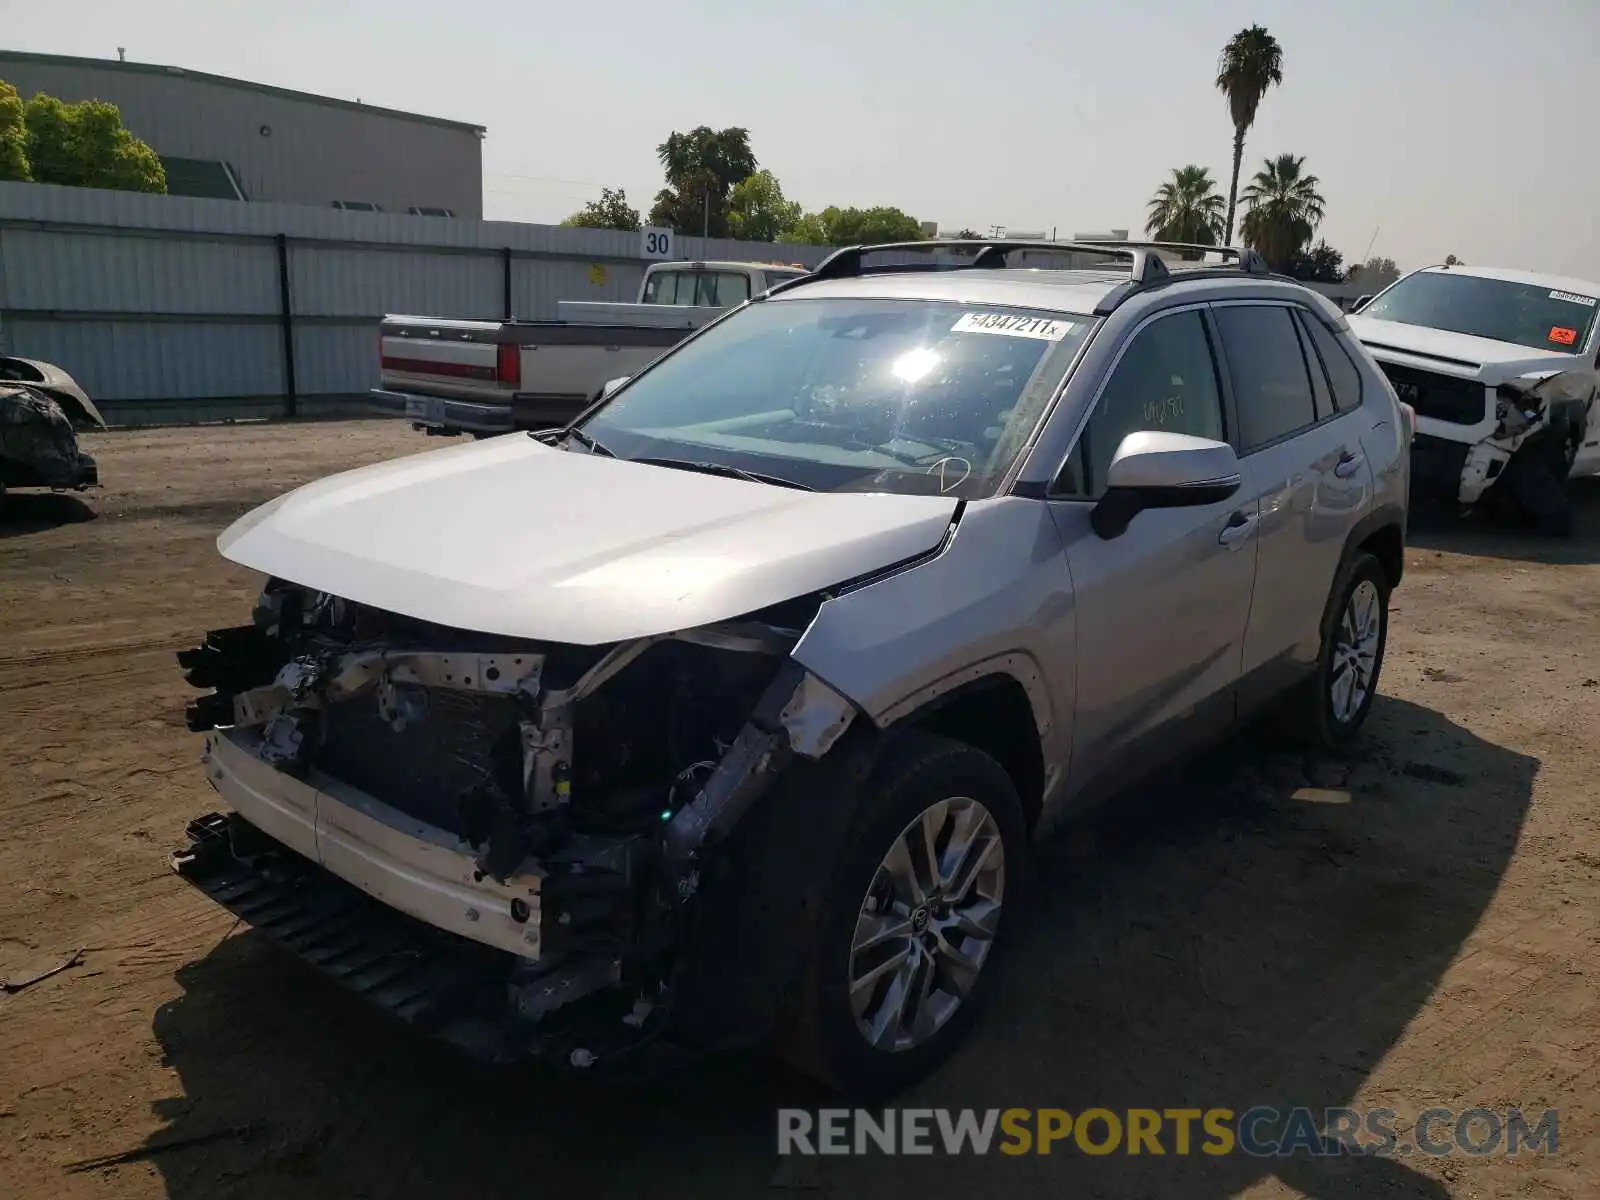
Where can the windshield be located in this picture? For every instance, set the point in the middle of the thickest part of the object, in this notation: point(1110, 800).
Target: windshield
point(912, 396)
point(1520, 313)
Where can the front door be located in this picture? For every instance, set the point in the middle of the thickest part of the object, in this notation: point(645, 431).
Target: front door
point(1161, 610)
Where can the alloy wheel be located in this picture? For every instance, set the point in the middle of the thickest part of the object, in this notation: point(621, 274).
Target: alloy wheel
point(1355, 651)
point(927, 924)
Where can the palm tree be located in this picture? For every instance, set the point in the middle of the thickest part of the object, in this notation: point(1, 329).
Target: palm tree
point(1186, 208)
point(1284, 209)
point(1251, 62)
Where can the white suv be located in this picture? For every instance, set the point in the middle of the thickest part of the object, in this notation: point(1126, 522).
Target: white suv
point(1500, 367)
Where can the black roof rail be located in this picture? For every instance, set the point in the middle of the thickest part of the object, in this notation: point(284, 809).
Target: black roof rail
point(1146, 267)
point(1250, 261)
point(1143, 265)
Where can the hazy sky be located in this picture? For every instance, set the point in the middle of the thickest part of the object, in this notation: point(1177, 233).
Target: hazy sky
point(1468, 127)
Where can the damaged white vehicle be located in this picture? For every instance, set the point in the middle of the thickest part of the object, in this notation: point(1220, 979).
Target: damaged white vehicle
point(1500, 367)
point(724, 715)
point(41, 410)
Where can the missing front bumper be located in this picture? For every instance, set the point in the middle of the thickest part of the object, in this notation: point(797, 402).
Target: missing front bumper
point(469, 996)
point(446, 986)
point(421, 870)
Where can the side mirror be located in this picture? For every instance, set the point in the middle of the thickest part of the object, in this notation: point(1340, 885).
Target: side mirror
point(612, 385)
point(1152, 469)
point(1361, 302)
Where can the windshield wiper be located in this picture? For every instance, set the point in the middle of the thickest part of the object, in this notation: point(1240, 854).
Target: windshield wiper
point(587, 442)
point(712, 468)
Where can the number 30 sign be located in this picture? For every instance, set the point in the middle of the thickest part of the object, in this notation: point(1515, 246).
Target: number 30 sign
point(655, 242)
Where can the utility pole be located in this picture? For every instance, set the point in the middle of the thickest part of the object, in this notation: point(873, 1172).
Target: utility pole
point(705, 227)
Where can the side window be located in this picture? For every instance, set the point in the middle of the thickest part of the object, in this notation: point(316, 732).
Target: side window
point(1270, 383)
point(663, 288)
point(1166, 380)
point(1071, 480)
point(1319, 377)
point(1342, 373)
point(721, 289)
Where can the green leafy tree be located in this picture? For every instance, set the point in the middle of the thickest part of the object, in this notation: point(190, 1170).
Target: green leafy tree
point(835, 226)
point(1251, 62)
point(809, 230)
point(702, 167)
point(1284, 209)
point(1186, 208)
point(611, 211)
point(757, 211)
point(1319, 264)
point(13, 135)
point(880, 224)
point(86, 145)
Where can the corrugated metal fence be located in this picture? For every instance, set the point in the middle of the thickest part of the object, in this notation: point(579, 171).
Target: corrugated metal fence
point(168, 308)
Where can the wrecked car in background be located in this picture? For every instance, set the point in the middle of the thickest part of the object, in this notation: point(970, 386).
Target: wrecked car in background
point(41, 409)
point(1500, 367)
point(724, 715)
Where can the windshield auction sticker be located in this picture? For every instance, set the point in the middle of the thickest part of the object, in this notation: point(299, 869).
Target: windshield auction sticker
point(1563, 336)
point(1011, 325)
point(1573, 298)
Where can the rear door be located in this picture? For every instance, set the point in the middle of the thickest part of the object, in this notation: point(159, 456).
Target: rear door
point(1305, 470)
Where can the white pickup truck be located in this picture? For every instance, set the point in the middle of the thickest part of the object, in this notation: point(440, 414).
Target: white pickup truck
point(488, 377)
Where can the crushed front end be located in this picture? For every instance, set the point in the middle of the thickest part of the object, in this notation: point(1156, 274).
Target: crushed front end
point(1518, 437)
point(501, 841)
point(38, 445)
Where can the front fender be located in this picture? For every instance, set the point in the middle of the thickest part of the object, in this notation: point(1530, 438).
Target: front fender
point(997, 600)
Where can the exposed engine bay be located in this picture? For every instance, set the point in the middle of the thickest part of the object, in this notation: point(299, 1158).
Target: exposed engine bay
point(38, 446)
point(554, 804)
point(1541, 421)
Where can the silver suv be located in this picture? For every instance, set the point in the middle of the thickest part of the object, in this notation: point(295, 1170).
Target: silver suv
point(724, 715)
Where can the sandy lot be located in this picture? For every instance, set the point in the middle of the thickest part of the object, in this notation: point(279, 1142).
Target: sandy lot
point(1217, 941)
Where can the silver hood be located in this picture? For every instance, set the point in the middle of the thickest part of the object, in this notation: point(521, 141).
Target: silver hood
point(513, 537)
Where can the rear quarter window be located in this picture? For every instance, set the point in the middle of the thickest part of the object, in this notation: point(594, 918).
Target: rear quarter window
point(1343, 377)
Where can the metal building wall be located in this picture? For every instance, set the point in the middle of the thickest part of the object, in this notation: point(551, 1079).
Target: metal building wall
point(170, 308)
point(286, 147)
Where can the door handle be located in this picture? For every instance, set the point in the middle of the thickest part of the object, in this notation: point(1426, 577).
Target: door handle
point(1239, 527)
point(1348, 464)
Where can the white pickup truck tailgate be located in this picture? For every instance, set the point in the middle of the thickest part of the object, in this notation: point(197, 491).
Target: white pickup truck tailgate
point(451, 358)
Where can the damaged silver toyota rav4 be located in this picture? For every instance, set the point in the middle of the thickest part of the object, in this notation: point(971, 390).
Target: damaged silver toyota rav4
point(723, 717)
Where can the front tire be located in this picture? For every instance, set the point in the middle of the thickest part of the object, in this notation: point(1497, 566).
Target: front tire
point(1536, 480)
point(1355, 631)
point(907, 940)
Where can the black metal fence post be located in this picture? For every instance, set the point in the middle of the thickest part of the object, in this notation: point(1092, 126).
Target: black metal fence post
point(291, 396)
point(505, 270)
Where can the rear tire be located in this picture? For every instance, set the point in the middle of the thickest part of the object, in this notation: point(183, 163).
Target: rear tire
point(891, 929)
point(1355, 629)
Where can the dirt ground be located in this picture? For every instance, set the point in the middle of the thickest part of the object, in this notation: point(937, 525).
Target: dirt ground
point(1423, 930)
